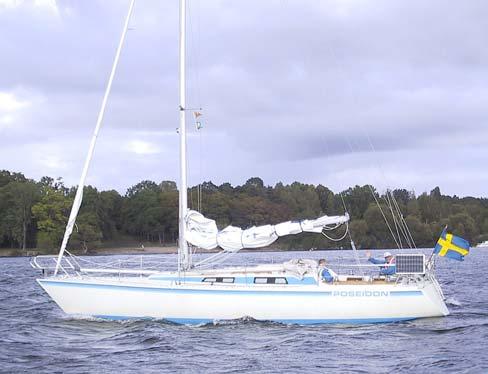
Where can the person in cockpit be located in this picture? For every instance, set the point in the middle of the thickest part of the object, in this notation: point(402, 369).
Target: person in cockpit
point(325, 274)
point(388, 260)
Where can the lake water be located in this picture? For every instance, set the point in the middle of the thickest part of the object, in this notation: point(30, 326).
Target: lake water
point(35, 336)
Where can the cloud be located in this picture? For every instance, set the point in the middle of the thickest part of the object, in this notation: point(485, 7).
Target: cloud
point(141, 147)
point(10, 103)
point(52, 163)
point(46, 7)
point(11, 107)
point(318, 91)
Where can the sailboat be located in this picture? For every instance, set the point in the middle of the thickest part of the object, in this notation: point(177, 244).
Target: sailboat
point(293, 292)
point(482, 244)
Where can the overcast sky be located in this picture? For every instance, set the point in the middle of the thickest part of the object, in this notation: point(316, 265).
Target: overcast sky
point(290, 90)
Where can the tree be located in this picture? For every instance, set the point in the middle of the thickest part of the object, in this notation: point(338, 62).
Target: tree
point(168, 186)
point(429, 207)
point(17, 199)
point(51, 214)
point(253, 187)
point(109, 214)
point(226, 188)
point(217, 206)
point(168, 216)
point(358, 199)
point(37, 212)
point(142, 186)
point(87, 233)
point(402, 196)
point(378, 232)
point(301, 199)
point(463, 225)
point(141, 212)
point(421, 232)
point(324, 195)
point(360, 233)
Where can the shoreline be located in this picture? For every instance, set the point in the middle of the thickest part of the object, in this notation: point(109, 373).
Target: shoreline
point(110, 251)
point(153, 250)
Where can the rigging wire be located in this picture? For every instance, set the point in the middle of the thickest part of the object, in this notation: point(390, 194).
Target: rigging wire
point(215, 259)
point(393, 215)
point(348, 232)
point(402, 218)
point(397, 216)
point(403, 224)
point(199, 187)
point(353, 246)
point(400, 224)
point(377, 202)
point(194, 44)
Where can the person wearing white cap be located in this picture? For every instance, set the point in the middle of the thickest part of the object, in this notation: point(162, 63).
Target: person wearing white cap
point(388, 260)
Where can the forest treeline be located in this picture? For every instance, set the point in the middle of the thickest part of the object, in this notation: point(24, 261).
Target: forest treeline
point(33, 214)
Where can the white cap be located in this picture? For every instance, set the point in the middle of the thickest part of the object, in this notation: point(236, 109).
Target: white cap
point(387, 254)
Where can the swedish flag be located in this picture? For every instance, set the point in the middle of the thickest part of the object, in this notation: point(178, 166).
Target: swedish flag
point(451, 246)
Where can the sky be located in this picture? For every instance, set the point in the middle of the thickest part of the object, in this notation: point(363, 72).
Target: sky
point(336, 92)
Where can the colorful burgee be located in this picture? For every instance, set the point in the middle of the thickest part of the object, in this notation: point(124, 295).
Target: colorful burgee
point(451, 246)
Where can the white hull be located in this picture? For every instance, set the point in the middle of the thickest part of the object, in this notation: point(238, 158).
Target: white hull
point(202, 303)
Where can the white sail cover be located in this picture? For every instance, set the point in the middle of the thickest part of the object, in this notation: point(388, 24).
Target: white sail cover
point(203, 232)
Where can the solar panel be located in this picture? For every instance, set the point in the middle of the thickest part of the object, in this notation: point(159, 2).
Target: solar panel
point(410, 264)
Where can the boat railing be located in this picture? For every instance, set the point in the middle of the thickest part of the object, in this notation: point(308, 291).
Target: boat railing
point(47, 264)
point(128, 265)
point(143, 265)
point(343, 269)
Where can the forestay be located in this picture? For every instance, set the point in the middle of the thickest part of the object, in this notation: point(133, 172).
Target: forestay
point(203, 232)
point(79, 191)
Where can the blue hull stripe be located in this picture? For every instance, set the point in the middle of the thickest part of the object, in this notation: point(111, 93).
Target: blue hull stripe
point(202, 321)
point(184, 291)
point(212, 291)
point(406, 293)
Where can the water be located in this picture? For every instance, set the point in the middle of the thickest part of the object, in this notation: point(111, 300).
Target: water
point(35, 336)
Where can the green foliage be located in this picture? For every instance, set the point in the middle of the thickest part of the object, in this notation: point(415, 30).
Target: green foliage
point(358, 199)
point(35, 214)
point(150, 212)
point(87, 234)
point(16, 200)
point(109, 214)
point(51, 214)
point(463, 225)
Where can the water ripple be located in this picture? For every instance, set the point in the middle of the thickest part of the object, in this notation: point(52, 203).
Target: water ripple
point(36, 336)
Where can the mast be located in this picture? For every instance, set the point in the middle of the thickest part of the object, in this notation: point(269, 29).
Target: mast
point(184, 260)
point(79, 191)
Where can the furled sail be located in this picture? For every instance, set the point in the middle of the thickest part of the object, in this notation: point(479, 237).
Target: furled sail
point(203, 232)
